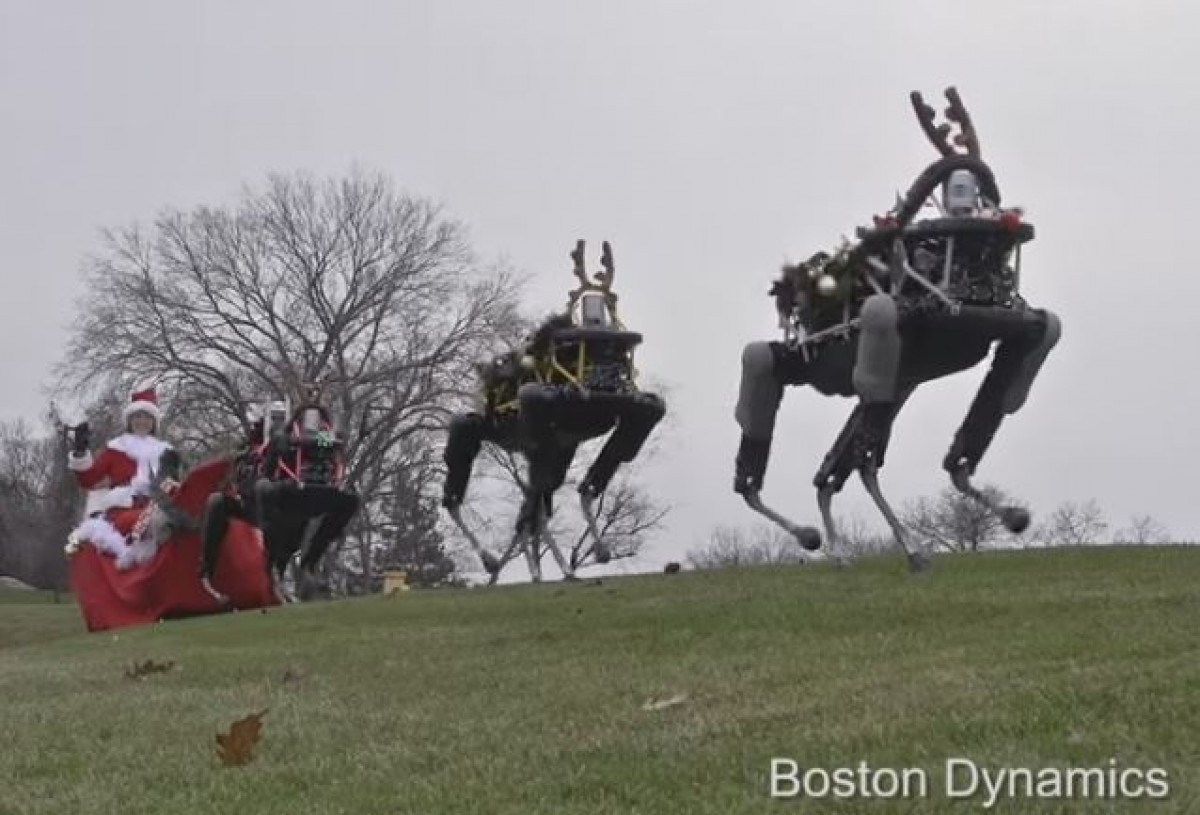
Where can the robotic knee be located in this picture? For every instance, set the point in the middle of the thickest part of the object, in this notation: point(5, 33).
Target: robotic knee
point(758, 360)
point(263, 488)
point(877, 361)
point(466, 424)
point(465, 430)
point(351, 502)
point(649, 408)
point(1018, 391)
point(466, 435)
point(265, 493)
point(760, 390)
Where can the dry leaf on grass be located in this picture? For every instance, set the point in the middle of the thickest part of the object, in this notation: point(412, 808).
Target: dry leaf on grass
point(236, 747)
point(140, 670)
point(662, 704)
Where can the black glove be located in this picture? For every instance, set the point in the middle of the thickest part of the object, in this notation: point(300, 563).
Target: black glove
point(82, 437)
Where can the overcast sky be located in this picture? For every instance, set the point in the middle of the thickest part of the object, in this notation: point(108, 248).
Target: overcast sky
point(709, 141)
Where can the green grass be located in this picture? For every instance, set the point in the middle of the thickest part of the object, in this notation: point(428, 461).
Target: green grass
point(31, 617)
point(530, 699)
point(25, 597)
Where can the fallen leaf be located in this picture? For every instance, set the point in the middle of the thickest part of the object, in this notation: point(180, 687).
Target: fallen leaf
point(236, 747)
point(140, 670)
point(662, 704)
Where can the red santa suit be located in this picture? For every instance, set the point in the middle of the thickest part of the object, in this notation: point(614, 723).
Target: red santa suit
point(119, 479)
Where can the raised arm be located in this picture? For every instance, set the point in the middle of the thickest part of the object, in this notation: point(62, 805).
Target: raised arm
point(90, 472)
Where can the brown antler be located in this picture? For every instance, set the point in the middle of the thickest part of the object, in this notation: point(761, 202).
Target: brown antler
point(939, 134)
point(610, 269)
point(577, 256)
point(936, 133)
point(957, 113)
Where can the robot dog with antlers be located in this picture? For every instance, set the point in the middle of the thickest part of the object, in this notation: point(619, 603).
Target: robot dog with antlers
point(911, 301)
point(573, 381)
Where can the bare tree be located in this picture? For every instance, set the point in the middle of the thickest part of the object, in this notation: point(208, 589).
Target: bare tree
point(626, 514)
point(761, 545)
point(26, 466)
point(1142, 530)
point(23, 477)
point(412, 538)
point(955, 523)
point(347, 283)
point(766, 545)
point(39, 502)
point(19, 541)
point(859, 538)
point(1072, 524)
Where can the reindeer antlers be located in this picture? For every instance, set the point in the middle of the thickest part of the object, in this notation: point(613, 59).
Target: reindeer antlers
point(577, 256)
point(610, 269)
point(603, 279)
point(955, 112)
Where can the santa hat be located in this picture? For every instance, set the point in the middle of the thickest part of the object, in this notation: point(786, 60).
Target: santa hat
point(143, 401)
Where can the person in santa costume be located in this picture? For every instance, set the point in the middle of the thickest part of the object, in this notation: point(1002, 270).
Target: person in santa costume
point(119, 478)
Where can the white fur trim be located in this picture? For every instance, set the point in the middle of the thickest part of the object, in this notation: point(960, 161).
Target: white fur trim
point(139, 407)
point(96, 502)
point(116, 498)
point(140, 552)
point(81, 463)
point(139, 447)
point(145, 452)
point(100, 533)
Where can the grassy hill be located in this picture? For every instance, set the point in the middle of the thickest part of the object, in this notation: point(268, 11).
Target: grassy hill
point(532, 699)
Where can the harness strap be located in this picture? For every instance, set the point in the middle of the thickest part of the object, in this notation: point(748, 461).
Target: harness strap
point(296, 438)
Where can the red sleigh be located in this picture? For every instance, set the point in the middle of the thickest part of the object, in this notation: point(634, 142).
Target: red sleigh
point(168, 586)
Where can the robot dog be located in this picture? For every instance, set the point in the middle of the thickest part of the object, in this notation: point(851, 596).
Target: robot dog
point(572, 381)
point(911, 301)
